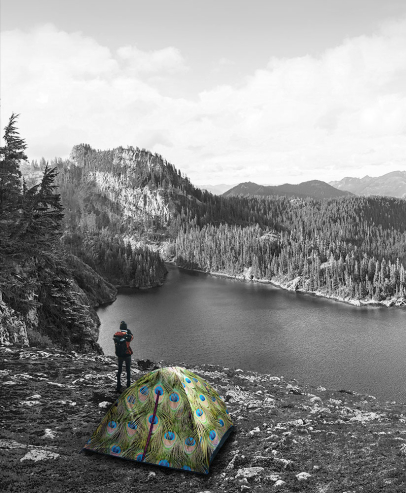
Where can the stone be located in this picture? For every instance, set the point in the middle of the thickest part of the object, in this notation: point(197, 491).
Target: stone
point(30, 403)
point(315, 399)
point(302, 476)
point(249, 472)
point(39, 454)
point(253, 432)
point(279, 483)
point(11, 444)
point(286, 463)
point(49, 434)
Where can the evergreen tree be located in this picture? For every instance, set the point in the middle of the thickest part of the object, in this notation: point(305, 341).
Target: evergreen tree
point(10, 175)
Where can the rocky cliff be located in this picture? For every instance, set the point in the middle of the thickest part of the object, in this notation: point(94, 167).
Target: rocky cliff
point(13, 327)
point(129, 190)
point(289, 437)
point(62, 311)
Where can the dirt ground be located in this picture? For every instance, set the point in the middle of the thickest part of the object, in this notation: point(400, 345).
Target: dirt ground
point(288, 437)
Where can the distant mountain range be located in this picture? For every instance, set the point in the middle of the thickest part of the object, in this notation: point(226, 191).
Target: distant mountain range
point(315, 189)
point(392, 184)
point(216, 189)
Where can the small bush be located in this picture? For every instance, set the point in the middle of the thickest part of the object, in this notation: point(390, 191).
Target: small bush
point(38, 340)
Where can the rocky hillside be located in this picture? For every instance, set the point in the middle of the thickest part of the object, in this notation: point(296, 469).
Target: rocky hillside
point(68, 302)
point(315, 189)
point(126, 190)
point(288, 437)
point(391, 184)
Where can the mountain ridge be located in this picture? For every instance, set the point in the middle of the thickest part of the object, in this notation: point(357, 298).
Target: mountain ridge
point(316, 189)
point(392, 184)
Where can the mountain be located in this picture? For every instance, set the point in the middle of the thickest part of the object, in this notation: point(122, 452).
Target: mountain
point(392, 185)
point(126, 190)
point(216, 189)
point(315, 189)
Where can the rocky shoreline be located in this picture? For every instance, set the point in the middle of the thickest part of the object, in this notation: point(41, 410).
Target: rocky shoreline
point(288, 437)
point(292, 285)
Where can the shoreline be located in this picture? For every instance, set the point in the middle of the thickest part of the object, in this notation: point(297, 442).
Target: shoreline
point(291, 286)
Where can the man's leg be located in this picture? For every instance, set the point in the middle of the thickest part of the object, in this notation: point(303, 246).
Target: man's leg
point(120, 369)
point(128, 369)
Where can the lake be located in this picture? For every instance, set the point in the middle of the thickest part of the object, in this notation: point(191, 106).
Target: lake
point(196, 318)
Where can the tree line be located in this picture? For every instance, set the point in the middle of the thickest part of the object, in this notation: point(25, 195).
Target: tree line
point(344, 247)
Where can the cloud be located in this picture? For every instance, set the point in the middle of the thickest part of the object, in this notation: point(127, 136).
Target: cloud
point(340, 114)
point(166, 60)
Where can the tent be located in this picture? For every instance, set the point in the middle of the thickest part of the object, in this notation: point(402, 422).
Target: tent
point(170, 417)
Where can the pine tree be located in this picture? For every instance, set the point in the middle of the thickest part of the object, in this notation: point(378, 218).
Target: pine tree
point(10, 175)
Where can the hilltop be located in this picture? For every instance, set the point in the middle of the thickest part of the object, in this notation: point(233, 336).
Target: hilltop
point(315, 189)
point(289, 437)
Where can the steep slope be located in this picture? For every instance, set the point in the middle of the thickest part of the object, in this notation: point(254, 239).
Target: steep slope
point(315, 189)
point(61, 306)
point(391, 184)
point(127, 190)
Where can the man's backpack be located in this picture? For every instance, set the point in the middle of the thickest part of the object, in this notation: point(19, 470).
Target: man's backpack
point(120, 342)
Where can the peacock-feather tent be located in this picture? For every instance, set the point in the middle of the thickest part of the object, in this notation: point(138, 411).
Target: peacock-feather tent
point(170, 417)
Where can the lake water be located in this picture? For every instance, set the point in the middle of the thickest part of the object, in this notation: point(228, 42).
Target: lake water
point(197, 318)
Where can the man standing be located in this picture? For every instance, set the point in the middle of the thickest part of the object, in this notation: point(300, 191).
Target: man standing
point(122, 340)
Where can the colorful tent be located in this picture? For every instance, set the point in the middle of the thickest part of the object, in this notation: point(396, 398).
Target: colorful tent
point(170, 417)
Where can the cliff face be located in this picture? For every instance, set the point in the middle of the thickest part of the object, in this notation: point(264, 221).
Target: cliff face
point(63, 308)
point(95, 289)
point(13, 327)
point(125, 188)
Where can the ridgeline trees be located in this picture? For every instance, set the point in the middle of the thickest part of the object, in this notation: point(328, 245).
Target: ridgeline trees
point(30, 220)
point(35, 281)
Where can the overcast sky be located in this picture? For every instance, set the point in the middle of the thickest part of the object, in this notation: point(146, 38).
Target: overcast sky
point(228, 91)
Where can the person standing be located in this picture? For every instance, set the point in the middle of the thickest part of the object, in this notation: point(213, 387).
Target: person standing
point(122, 339)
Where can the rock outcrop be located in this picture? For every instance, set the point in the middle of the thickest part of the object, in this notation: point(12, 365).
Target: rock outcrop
point(13, 327)
point(69, 303)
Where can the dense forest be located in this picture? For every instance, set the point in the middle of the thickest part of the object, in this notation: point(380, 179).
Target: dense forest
point(115, 259)
point(347, 247)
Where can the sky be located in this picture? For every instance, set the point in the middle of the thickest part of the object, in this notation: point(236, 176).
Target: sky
point(228, 91)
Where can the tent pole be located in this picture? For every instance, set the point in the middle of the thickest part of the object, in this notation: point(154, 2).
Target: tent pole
point(158, 394)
